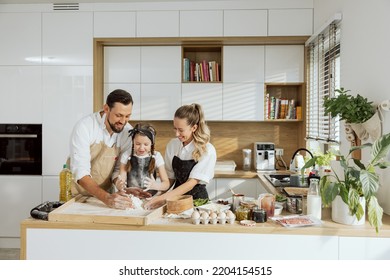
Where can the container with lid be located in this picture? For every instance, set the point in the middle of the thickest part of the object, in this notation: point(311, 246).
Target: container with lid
point(259, 215)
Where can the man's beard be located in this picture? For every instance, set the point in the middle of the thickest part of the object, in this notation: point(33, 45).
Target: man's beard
point(113, 128)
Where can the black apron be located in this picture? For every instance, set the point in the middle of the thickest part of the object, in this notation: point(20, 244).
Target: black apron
point(182, 170)
point(139, 171)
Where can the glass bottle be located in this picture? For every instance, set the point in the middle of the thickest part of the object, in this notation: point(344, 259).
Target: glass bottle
point(314, 199)
point(65, 184)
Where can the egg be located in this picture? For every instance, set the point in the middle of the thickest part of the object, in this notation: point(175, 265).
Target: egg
point(228, 212)
point(195, 215)
point(230, 215)
point(205, 215)
point(213, 215)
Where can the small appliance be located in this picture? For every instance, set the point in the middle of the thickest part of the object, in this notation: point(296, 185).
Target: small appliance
point(264, 156)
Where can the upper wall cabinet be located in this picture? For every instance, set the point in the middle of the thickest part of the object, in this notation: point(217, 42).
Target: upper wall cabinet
point(161, 64)
point(158, 24)
point(245, 23)
point(201, 23)
point(243, 64)
point(284, 64)
point(20, 35)
point(114, 24)
point(290, 22)
point(71, 29)
point(122, 64)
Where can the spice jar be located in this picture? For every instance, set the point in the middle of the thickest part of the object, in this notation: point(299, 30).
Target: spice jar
point(250, 206)
point(242, 213)
point(259, 215)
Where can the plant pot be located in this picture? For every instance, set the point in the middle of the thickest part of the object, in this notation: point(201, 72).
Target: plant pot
point(373, 126)
point(360, 131)
point(340, 212)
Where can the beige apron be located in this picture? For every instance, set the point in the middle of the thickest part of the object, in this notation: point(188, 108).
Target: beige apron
point(103, 159)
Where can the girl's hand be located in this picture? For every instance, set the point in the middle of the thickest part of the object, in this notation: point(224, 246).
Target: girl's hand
point(151, 184)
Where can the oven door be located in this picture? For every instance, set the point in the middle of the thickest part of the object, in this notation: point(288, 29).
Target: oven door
point(21, 149)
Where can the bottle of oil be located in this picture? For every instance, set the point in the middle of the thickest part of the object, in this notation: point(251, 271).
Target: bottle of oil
point(65, 184)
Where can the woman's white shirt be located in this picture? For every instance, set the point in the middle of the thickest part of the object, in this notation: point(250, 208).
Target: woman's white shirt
point(202, 171)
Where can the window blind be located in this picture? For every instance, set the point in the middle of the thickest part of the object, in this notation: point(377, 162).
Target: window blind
point(323, 76)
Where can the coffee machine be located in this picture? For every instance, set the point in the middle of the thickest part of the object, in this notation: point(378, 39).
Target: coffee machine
point(264, 156)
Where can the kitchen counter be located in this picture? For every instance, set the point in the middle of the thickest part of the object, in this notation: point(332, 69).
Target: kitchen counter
point(72, 240)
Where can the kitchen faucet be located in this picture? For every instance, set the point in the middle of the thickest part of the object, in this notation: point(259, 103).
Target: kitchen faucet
point(292, 165)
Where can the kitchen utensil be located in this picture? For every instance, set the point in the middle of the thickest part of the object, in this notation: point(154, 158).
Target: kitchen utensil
point(179, 204)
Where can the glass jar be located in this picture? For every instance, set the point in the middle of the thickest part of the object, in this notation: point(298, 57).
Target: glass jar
point(259, 215)
point(242, 213)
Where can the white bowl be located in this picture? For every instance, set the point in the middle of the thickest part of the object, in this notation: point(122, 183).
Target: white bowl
point(278, 210)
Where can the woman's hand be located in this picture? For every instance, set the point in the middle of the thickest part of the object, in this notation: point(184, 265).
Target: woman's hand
point(154, 203)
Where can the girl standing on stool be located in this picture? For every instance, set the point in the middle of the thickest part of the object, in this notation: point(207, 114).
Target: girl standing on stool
point(139, 165)
point(189, 158)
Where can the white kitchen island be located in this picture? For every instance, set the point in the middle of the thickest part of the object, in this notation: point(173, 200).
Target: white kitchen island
point(179, 239)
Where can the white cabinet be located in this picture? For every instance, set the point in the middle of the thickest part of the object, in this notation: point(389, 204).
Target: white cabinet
point(243, 101)
point(245, 22)
point(67, 95)
point(290, 22)
point(18, 195)
point(368, 248)
point(20, 35)
point(122, 64)
point(51, 187)
point(134, 90)
point(158, 24)
point(248, 187)
point(161, 64)
point(201, 23)
point(67, 38)
point(114, 24)
point(244, 64)
point(21, 94)
point(207, 95)
point(160, 101)
point(284, 64)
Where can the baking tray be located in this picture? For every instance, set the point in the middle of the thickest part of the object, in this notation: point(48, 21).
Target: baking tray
point(88, 209)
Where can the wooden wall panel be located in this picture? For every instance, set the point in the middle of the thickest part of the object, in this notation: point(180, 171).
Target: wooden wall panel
point(229, 138)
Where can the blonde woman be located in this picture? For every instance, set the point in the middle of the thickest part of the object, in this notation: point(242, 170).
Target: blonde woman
point(190, 157)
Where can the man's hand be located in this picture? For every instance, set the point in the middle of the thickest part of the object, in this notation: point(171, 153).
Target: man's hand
point(118, 201)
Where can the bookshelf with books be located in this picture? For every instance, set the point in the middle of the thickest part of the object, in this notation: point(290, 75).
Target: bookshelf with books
point(202, 64)
point(284, 102)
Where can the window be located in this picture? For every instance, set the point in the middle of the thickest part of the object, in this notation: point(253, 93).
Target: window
point(323, 76)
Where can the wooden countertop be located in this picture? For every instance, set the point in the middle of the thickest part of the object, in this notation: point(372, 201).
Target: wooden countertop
point(328, 227)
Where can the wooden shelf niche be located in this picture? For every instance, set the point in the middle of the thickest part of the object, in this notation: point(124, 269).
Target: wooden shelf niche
point(202, 64)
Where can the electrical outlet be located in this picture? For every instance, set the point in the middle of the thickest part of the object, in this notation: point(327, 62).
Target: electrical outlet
point(279, 152)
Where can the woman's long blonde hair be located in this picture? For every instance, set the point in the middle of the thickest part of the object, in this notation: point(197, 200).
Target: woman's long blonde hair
point(193, 114)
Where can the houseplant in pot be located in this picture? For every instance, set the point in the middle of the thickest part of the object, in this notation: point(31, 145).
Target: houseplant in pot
point(358, 184)
point(356, 111)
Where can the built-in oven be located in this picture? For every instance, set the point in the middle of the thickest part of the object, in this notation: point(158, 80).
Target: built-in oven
point(21, 149)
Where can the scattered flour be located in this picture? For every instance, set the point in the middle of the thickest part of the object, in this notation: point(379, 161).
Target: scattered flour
point(137, 203)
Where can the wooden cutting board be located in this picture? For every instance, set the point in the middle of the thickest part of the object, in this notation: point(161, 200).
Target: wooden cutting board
point(91, 210)
point(296, 191)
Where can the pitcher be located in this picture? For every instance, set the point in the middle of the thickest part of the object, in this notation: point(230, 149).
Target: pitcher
point(267, 202)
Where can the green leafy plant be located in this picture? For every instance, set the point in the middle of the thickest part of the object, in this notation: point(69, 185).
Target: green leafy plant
point(349, 108)
point(324, 159)
point(358, 180)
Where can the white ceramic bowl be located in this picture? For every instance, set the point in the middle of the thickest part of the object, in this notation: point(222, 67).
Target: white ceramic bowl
point(278, 209)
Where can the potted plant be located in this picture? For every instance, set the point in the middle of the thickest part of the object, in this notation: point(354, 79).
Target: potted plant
point(359, 180)
point(356, 111)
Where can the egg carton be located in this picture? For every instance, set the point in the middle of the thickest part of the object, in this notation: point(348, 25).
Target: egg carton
point(204, 217)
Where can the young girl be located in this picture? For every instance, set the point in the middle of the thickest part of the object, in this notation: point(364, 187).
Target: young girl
point(189, 158)
point(139, 165)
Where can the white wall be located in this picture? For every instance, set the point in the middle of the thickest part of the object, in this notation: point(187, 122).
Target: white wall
point(365, 57)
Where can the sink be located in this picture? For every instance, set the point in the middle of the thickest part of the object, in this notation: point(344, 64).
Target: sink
point(278, 180)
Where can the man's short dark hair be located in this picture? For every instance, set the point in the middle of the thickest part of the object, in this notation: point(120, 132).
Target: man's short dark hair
point(119, 95)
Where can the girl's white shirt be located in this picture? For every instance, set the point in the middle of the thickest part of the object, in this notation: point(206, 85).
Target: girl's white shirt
point(202, 171)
